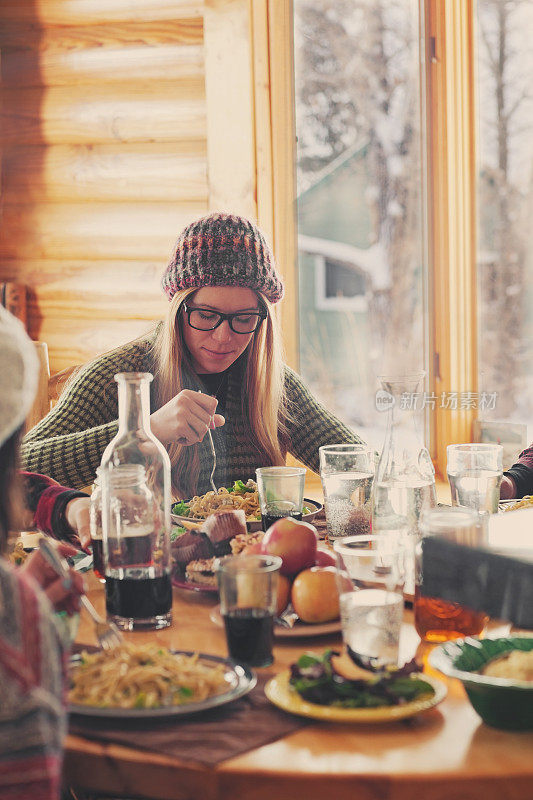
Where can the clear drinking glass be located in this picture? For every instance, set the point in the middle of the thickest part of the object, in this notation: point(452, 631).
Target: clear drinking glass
point(370, 577)
point(248, 587)
point(475, 473)
point(438, 620)
point(281, 493)
point(347, 473)
point(135, 478)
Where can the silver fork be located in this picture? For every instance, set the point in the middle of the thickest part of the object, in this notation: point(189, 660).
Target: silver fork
point(214, 454)
point(213, 451)
point(107, 633)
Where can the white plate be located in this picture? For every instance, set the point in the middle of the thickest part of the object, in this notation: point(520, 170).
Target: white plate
point(301, 630)
point(239, 677)
point(254, 526)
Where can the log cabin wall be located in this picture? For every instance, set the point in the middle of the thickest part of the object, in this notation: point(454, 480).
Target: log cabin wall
point(104, 160)
point(123, 120)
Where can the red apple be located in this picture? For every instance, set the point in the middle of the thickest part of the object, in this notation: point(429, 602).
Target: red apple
point(324, 558)
point(295, 542)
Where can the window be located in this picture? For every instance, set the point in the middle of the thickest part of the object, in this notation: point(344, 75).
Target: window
point(372, 177)
point(505, 205)
point(359, 186)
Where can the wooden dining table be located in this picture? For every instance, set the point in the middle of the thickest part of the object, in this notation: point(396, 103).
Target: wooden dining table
point(445, 753)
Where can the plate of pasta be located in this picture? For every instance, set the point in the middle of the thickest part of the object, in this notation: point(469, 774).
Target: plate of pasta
point(239, 496)
point(516, 504)
point(145, 681)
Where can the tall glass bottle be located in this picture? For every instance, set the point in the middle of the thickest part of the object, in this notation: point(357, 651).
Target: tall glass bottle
point(135, 481)
point(404, 484)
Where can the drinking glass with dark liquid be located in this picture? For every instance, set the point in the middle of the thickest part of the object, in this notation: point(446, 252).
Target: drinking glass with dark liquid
point(281, 493)
point(438, 620)
point(135, 484)
point(248, 588)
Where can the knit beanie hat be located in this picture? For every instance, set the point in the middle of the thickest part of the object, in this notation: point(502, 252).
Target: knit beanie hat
point(19, 371)
point(223, 250)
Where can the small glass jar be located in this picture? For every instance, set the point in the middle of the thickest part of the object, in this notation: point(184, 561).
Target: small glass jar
point(439, 620)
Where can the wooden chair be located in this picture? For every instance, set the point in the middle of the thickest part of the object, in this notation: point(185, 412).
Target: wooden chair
point(41, 404)
point(13, 297)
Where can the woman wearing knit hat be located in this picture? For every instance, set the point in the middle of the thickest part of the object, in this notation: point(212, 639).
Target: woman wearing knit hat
point(216, 360)
point(33, 717)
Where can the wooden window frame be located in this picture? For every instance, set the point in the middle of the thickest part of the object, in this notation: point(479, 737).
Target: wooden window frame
point(451, 216)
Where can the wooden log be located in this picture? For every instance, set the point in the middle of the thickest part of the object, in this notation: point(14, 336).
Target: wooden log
point(70, 342)
point(120, 303)
point(171, 172)
point(91, 12)
point(107, 33)
point(94, 230)
point(107, 56)
point(105, 113)
point(95, 276)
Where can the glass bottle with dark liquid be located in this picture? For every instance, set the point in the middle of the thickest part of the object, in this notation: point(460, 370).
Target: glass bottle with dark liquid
point(135, 478)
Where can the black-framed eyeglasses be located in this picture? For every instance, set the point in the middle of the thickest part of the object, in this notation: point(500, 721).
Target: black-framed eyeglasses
point(204, 319)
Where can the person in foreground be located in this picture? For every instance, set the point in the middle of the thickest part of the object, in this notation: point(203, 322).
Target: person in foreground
point(216, 361)
point(32, 648)
point(517, 481)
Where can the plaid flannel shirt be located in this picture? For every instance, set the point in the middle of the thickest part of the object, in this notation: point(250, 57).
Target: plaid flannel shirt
point(68, 443)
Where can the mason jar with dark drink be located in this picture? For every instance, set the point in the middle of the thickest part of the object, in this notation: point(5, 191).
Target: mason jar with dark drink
point(281, 493)
point(248, 586)
point(135, 480)
point(137, 563)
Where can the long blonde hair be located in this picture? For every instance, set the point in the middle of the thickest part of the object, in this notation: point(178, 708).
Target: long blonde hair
point(264, 410)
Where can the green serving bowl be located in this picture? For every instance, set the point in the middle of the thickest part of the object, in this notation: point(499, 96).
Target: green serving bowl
point(500, 702)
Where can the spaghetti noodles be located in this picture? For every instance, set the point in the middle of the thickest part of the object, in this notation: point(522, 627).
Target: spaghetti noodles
point(146, 676)
point(525, 502)
point(201, 507)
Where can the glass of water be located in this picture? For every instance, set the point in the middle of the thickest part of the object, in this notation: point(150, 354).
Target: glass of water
point(370, 578)
point(475, 474)
point(347, 473)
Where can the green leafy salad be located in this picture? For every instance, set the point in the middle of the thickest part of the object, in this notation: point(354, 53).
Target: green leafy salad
point(315, 679)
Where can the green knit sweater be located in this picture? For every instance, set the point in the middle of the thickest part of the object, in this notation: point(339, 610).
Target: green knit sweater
point(68, 443)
